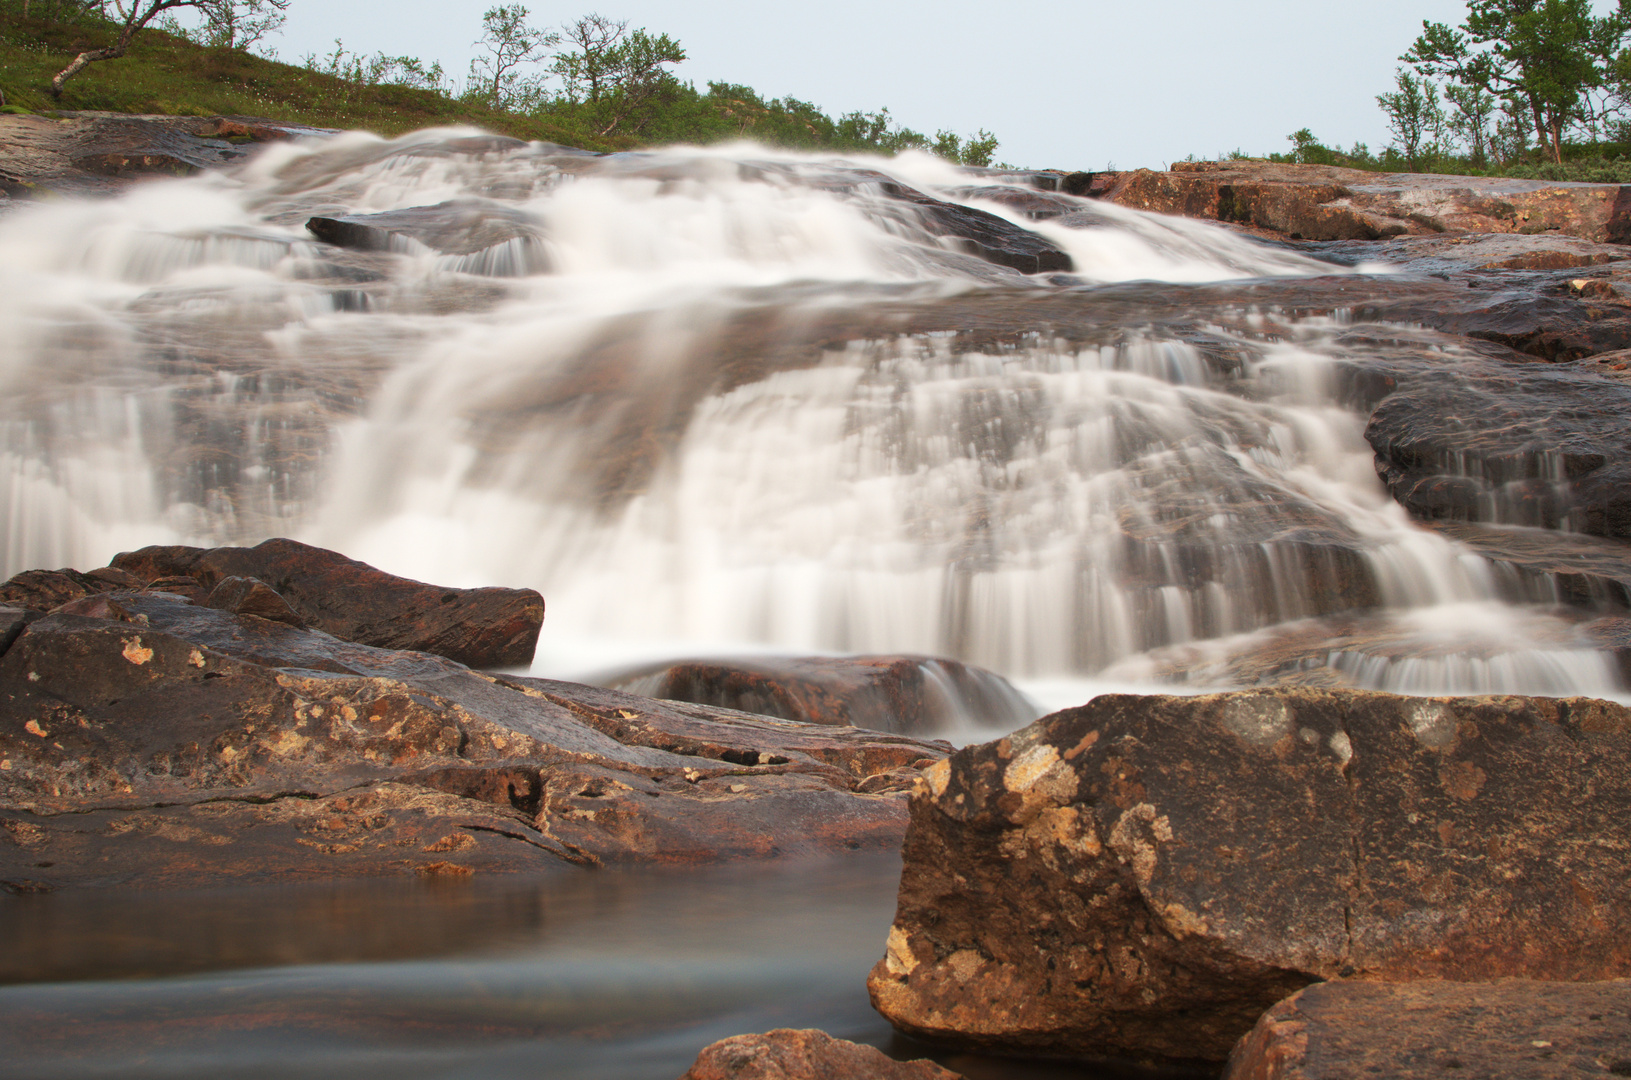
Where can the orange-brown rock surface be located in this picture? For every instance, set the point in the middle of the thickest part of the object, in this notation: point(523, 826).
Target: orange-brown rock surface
point(1413, 1031)
point(1142, 876)
point(793, 1054)
point(149, 739)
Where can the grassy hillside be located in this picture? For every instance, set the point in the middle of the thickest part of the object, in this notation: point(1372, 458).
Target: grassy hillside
point(165, 73)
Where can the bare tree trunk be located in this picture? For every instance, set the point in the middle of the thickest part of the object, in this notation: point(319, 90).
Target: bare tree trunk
point(85, 59)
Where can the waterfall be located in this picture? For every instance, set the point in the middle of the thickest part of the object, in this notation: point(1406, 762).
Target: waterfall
point(737, 399)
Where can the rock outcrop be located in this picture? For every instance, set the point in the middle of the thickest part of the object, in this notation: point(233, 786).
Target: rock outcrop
point(1143, 876)
point(808, 1054)
point(1421, 1030)
point(148, 739)
point(93, 153)
point(1315, 202)
point(288, 581)
point(910, 695)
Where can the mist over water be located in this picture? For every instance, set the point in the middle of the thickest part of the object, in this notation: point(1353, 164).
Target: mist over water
point(732, 400)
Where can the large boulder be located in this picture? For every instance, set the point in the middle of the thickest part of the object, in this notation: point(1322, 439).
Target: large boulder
point(490, 627)
point(904, 694)
point(148, 739)
point(807, 1054)
point(1422, 1030)
point(1142, 876)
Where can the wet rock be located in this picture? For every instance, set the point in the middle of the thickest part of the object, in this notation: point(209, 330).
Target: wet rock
point(12, 621)
point(1412, 1031)
point(902, 694)
point(1142, 876)
point(492, 237)
point(790, 1054)
point(981, 233)
point(1509, 443)
point(489, 627)
point(42, 590)
point(1313, 202)
point(250, 596)
point(99, 153)
point(157, 741)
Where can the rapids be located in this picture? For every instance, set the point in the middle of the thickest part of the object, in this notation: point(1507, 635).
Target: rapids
point(734, 400)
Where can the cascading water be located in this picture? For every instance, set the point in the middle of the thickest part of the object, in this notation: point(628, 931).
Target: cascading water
point(716, 400)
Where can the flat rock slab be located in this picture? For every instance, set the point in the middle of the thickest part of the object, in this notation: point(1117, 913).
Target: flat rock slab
point(905, 694)
point(1516, 1030)
point(99, 153)
point(808, 1054)
point(1142, 877)
point(145, 739)
point(1312, 202)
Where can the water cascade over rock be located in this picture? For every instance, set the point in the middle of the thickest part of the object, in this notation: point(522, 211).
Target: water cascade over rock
point(713, 401)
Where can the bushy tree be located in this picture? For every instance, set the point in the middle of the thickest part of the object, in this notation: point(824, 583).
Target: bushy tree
point(509, 43)
point(1542, 57)
point(1414, 116)
point(614, 73)
point(1474, 107)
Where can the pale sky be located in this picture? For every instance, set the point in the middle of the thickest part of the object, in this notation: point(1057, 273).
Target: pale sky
point(1081, 85)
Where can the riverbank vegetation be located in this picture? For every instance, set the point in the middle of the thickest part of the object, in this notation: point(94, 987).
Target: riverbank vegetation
point(1538, 89)
point(595, 83)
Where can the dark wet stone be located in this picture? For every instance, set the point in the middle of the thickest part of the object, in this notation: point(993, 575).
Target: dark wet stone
point(1143, 876)
point(1509, 443)
point(482, 231)
point(1432, 1030)
point(12, 621)
point(982, 233)
point(251, 596)
point(902, 694)
point(491, 627)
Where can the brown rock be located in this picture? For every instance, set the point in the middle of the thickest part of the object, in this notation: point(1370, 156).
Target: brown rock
point(1406, 1031)
point(1143, 876)
point(147, 739)
point(42, 590)
point(1315, 202)
point(790, 1054)
point(903, 694)
point(251, 596)
point(489, 627)
point(89, 153)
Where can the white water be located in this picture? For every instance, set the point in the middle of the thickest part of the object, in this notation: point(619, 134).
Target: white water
point(186, 364)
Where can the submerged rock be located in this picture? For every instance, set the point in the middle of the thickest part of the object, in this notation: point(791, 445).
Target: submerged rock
point(150, 740)
point(1142, 876)
point(488, 627)
point(489, 237)
point(1414, 1031)
point(904, 694)
point(791, 1054)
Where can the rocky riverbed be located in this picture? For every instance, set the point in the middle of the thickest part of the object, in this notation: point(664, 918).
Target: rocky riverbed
point(1299, 878)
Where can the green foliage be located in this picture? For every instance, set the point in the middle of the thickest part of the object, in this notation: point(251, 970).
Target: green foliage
point(1414, 117)
point(507, 43)
point(1547, 60)
point(616, 89)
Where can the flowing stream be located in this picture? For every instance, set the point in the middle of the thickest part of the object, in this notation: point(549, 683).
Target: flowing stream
point(708, 402)
point(731, 400)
